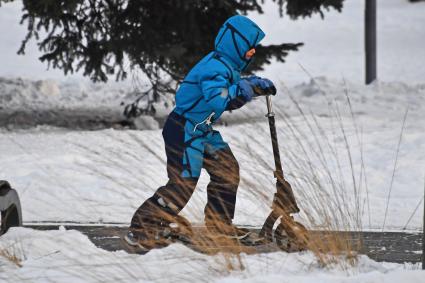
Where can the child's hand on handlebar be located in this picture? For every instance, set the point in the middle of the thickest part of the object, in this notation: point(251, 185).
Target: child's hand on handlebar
point(255, 86)
point(262, 86)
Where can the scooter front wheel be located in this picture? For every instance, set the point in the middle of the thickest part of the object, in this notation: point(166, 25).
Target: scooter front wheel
point(291, 237)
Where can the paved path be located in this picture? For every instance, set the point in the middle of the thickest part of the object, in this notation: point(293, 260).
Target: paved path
point(381, 246)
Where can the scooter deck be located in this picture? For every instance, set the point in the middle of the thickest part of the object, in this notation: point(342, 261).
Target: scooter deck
point(206, 242)
point(210, 243)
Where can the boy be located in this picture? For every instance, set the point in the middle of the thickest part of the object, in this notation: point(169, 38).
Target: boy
point(210, 88)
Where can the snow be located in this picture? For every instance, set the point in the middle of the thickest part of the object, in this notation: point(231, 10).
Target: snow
point(18, 93)
point(338, 141)
point(71, 257)
point(333, 46)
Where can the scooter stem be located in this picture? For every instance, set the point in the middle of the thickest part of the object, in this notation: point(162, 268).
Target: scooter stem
point(284, 198)
point(278, 173)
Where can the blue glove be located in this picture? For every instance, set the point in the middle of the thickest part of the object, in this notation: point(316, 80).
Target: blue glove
point(246, 89)
point(262, 86)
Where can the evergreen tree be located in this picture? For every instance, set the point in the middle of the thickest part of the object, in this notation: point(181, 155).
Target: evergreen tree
point(159, 37)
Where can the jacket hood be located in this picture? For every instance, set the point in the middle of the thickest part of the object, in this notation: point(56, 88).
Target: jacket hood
point(238, 35)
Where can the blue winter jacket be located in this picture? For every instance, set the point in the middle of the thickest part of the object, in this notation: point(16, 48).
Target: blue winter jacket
point(211, 87)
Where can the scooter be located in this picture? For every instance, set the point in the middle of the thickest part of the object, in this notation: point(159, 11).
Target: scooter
point(289, 234)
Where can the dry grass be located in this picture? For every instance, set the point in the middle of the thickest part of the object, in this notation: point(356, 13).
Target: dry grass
point(331, 206)
point(11, 257)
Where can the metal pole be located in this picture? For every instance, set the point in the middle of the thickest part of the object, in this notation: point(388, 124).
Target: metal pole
point(370, 40)
point(423, 236)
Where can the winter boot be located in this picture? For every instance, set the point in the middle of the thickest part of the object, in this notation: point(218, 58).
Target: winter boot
point(225, 229)
point(157, 226)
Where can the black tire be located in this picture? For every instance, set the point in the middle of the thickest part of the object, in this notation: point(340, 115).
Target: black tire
point(291, 237)
point(10, 207)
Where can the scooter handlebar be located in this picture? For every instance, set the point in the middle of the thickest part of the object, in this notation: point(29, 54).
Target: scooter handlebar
point(266, 91)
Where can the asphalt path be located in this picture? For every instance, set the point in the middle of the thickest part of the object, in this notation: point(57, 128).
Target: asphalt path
point(396, 247)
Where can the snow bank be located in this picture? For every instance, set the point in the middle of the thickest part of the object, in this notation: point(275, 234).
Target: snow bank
point(18, 93)
point(69, 256)
point(27, 103)
point(321, 96)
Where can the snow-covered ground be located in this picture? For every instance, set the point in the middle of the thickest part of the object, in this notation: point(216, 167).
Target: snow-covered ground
point(102, 176)
point(71, 257)
point(338, 141)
